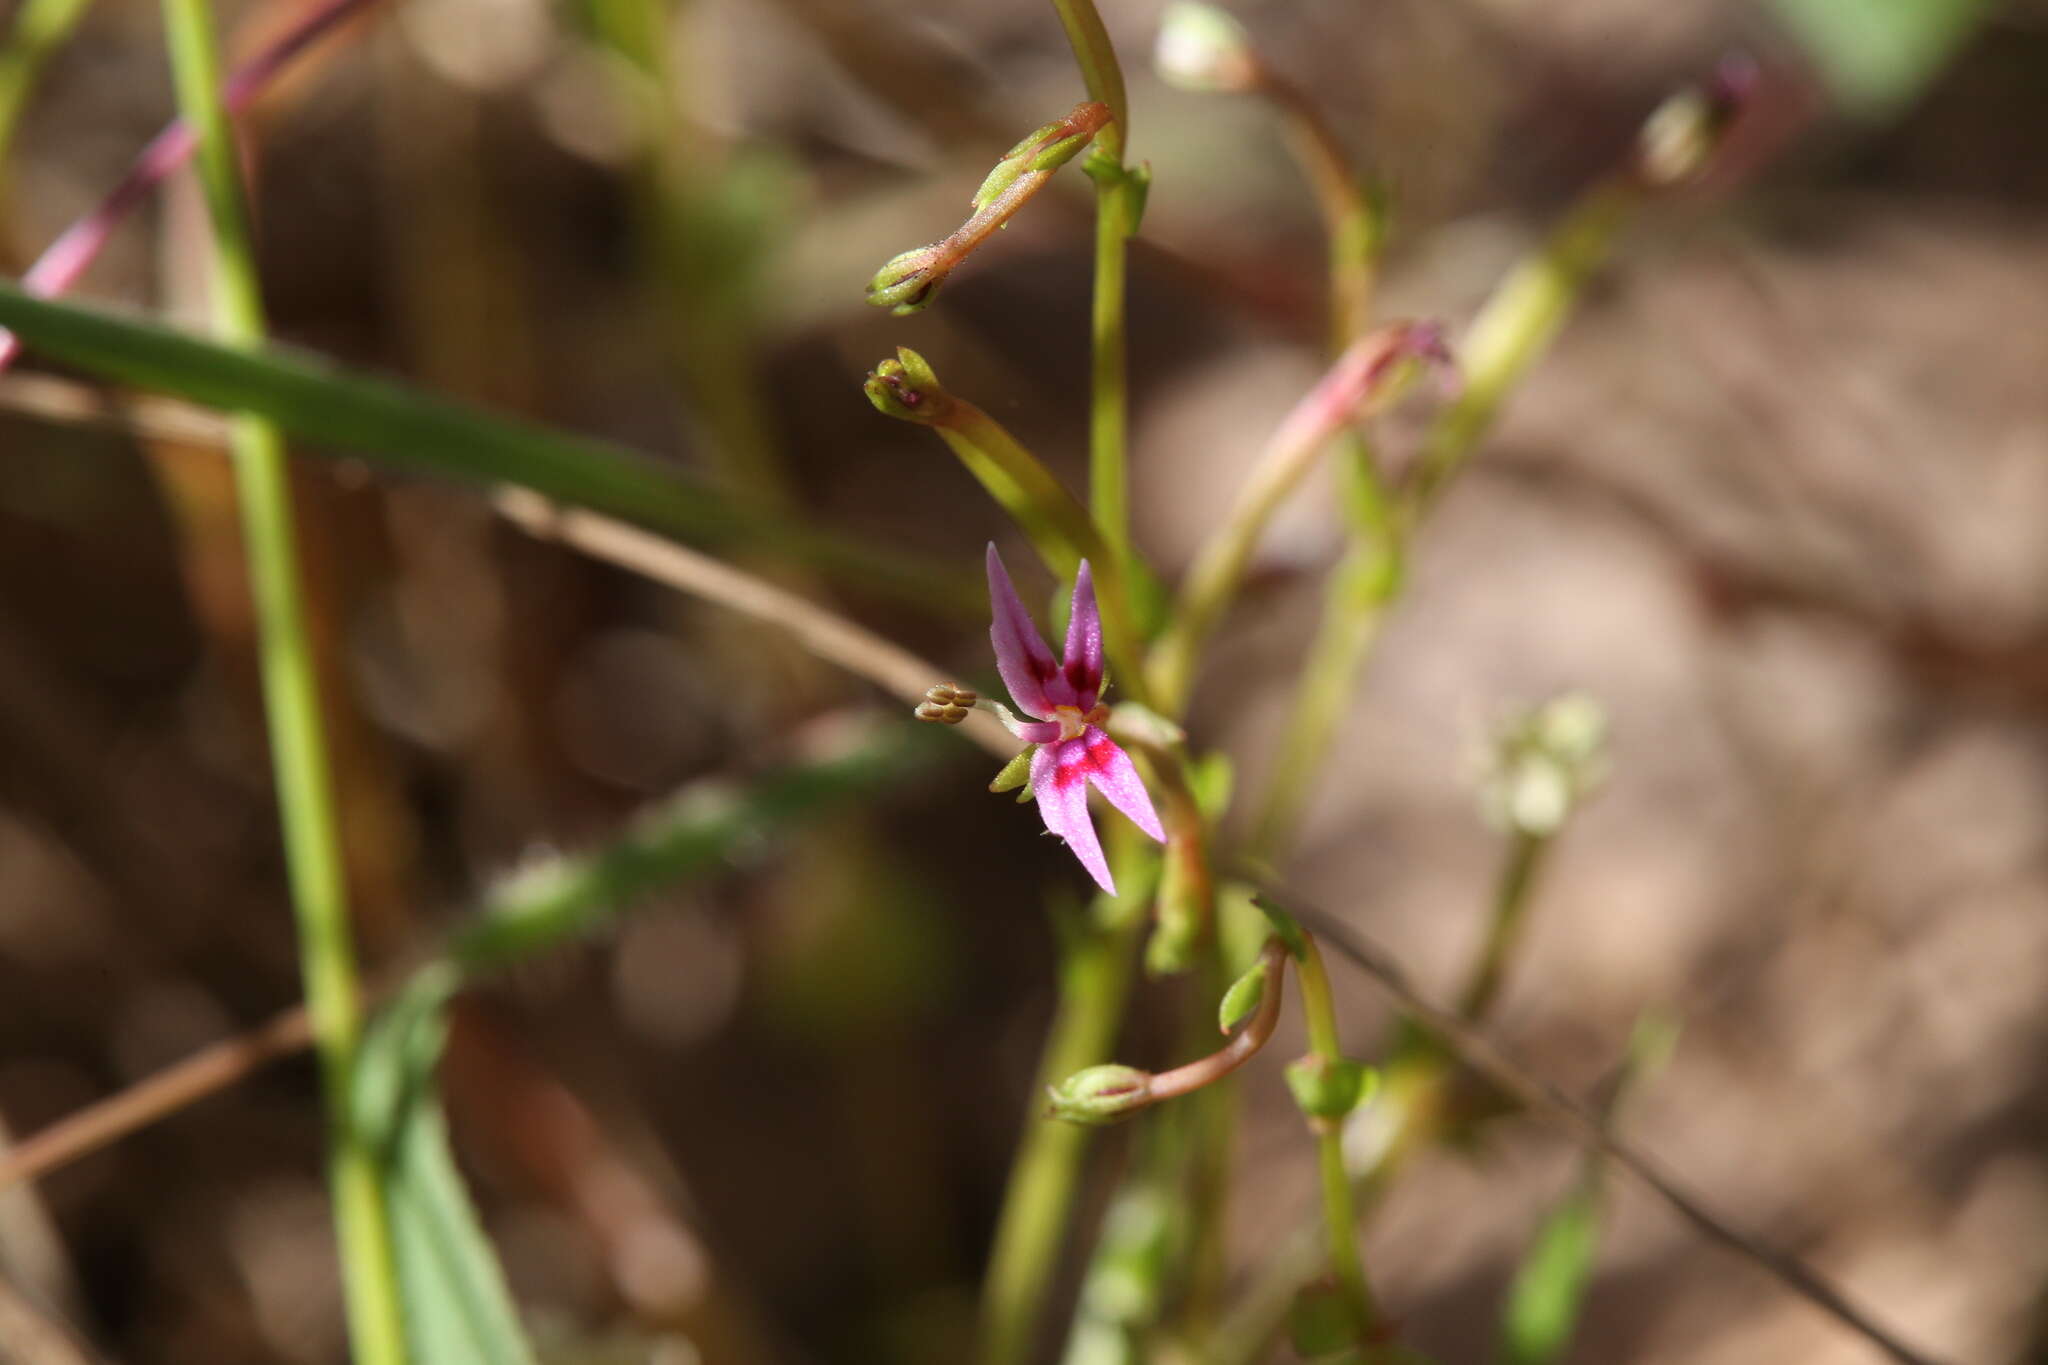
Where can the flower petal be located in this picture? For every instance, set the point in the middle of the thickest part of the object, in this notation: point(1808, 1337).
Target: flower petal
point(1021, 655)
point(1116, 777)
point(1059, 779)
point(1082, 666)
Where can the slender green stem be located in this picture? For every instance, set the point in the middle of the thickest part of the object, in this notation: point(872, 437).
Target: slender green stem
point(1413, 1094)
point(1108, 464)
point(40, 28)
point(1352, 223)
point(1340, 1219)
point(304, 786)
point(1363, 584)
point(1099, 69)
point(1095, 981)
point(1108, 418)
point(1504, 930)
point(1369, 374)
point(702, 268)
point(1059, 527)
point(1517, 325)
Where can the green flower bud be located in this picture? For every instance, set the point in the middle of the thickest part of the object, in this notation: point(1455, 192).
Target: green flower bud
point(1243, 998)
point(905, 284)
point(1329, 1087)
point(905, 388)
point(1100, 1095)
point(1044, 150)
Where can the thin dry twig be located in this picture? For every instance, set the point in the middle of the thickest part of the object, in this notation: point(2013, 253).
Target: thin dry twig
point(819, 630)
point(823, 632)
point(1479, 1051)
point(212, 1068)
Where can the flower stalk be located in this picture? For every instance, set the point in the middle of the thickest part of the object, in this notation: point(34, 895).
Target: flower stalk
point(1369, 376)
point(907, 282)
point(1523, 316)
point(1058, 527)
point(299, 753)
point(1097, 967)
point(1328, 1087)
point(1119, 204)
point(65, 260)
point(1106, 1094)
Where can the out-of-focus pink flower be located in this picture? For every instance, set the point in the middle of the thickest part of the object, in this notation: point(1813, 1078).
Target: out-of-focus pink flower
point(1064, 696)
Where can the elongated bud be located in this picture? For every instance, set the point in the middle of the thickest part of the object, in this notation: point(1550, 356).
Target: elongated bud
point(1042, 151)
point(908, 281)
point(1680, 138)
point(905, 284)
point(1243, 998)
point(906, 388)
point(1101, 1094)
point(1202, 49)
point(1329, 1087)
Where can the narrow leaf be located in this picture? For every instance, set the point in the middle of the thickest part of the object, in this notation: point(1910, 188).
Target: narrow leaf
point(453, 1294)
point(415, 432)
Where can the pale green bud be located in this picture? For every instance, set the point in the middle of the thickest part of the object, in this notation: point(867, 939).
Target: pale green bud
point(905, 284)
point(1101, 1094)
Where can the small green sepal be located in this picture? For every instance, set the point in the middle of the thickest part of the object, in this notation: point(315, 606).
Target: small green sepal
point(1015, 773)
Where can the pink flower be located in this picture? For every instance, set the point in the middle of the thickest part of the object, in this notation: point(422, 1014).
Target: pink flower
point(1065, 697)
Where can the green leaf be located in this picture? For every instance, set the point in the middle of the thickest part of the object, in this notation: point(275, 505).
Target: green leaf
point(1550, 1287)
point(1878, 54)
point(692, 832)
point(455, 1302)
point(417, 433)
point(1243, 998)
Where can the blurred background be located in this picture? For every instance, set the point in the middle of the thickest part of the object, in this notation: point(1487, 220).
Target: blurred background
point(1776, 499)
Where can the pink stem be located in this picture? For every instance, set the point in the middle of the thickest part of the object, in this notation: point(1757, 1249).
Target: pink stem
point(66, 259)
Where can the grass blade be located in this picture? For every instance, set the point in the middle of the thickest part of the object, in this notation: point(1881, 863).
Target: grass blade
point(404, 429)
